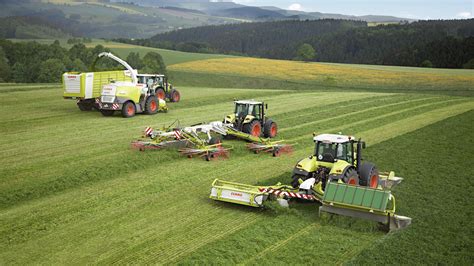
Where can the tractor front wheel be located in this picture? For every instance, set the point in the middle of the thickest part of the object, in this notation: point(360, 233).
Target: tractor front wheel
point(175, 96)
point(253, 128)
point(160, 93)
point(151, 105)
point(270, 129)
point(128, 109)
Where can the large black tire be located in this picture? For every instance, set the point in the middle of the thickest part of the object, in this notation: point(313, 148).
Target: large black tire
point(175, 96)
point(369, 175)
point(295, 183)
point(160, 93)
point(84, 106)
point(351, 177)
point(107, 112)
point(253, 128)
point(151, 105)
point(128, 109)
point(270, 129)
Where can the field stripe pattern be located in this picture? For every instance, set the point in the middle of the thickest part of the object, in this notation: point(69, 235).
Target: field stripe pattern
point(72, 191)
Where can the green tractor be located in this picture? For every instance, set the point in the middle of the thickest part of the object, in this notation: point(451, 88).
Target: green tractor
point(163, 89)
point(337, 158)
point(249, 117)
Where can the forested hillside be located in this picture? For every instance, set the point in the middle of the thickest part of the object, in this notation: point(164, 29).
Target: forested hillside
point(447, 44)
point(29, 62)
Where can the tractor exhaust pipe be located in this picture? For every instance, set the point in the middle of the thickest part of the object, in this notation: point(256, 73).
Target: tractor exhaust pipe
point(359, 154)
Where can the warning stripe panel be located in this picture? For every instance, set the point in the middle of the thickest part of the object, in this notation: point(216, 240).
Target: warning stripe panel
point(148, 131)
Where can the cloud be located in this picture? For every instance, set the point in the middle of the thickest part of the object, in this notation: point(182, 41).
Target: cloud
point(464, 14)
point(295, 7)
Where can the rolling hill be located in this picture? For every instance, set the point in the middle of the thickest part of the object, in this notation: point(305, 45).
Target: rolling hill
point(104, 20)
point(134, 19)
point(436, 43)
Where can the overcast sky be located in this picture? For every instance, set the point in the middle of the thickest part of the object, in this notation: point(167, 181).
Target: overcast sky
point(422, 9)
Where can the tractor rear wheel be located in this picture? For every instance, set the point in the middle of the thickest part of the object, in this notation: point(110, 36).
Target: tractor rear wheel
point(295, 180)
point(175, 96)
point(160, 93)
point(270, 129)
point(84, 106)
point(107, 112)
point(369, 175)
point(253, 128)
point(128, 109)
point(151, 105)
point(351, 177)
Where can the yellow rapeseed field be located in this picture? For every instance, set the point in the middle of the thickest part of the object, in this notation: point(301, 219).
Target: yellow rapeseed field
point(336, 74)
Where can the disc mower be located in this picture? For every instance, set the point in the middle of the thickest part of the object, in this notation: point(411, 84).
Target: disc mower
point(335, 182)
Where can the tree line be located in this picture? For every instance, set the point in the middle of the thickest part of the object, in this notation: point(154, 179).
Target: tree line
point(435, 43)
point(26, 62)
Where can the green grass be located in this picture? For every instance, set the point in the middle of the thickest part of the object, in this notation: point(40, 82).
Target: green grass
point(72, 191)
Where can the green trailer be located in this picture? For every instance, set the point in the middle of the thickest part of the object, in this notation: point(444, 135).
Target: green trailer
point(86, 87)
point(362, 202)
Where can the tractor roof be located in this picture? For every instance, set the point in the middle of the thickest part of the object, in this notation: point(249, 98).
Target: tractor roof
point(333, 138)
point(150, 75)
point(248, 102)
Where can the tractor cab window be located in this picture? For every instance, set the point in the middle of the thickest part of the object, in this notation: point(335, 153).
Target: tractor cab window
point(326, 152)
point(241, 110)
point(150, 82)
point(159, 80)
point(141, 79)
point(344, 152)
point(329, 152)
point(256, 111)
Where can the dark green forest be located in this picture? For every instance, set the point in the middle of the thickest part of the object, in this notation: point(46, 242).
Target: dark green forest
point(26, 62)
point(436, 43)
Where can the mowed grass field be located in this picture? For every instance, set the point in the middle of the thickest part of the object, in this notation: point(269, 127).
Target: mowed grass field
point(73, 192)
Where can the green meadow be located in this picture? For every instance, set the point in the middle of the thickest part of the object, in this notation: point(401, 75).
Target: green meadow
point(72, 190)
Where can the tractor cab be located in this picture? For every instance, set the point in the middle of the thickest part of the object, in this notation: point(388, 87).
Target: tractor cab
point(331, 148)
point(244, 109)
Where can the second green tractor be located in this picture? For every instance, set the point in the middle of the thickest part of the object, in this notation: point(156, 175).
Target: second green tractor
point(250, 117)
point(336, 158)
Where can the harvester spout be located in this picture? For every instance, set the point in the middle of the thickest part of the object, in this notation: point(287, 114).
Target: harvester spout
point(133, 72)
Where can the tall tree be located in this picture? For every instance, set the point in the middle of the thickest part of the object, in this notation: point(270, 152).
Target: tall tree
point(306, 52)
point(51, 70)
point(4, 67)
point(154, 64)
point(134, 60)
